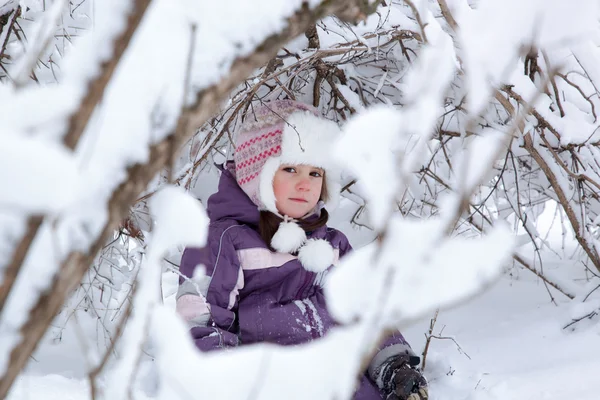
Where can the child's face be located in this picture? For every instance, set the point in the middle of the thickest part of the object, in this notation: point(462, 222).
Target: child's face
point(297, 189)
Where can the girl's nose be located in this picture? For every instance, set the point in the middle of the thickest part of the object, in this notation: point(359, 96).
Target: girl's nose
point(303, 185)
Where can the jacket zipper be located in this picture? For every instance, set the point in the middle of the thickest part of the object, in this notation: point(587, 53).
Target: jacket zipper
point(304, 285)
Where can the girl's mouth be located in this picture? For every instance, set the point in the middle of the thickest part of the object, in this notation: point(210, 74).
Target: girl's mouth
point(299, 200)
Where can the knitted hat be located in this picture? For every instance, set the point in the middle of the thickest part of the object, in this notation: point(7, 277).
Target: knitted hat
point(288, 132)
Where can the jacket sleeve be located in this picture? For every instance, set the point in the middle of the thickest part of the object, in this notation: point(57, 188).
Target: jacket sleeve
point(208, 301)
point(393, 346)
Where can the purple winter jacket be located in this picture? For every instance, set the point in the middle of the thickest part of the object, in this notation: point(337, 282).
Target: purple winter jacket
point(250, 294)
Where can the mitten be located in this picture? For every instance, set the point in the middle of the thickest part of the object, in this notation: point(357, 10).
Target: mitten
point(401, 379)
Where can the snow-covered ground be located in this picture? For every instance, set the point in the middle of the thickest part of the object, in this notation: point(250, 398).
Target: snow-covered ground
point(516, 346)
point(512, 341)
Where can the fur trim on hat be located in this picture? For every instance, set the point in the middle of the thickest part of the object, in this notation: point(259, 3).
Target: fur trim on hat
point(307, 140)
point(288, 238)
point(316, 255)
point(265, 186)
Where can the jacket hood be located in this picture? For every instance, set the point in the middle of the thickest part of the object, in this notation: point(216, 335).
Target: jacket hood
point(230, 201)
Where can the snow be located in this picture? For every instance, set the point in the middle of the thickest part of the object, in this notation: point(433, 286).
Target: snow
point(182, 366)
point(51, 164)
point(315, 315)
point(476, 164)
point(49, 387)
point(179, 220)
point(362, 154)
point(219, 45)
point(434, 271)
point(8, 6)
point(384, 159)
point(427, 81)
point(588, 57)
point(31, 168)
point(492, 35)
point(575, 127)
point(517, 348)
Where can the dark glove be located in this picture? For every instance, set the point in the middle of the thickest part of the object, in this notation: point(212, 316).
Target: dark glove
point(402, 379)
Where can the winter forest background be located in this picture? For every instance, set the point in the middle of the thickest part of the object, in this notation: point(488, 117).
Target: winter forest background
point(472, 149)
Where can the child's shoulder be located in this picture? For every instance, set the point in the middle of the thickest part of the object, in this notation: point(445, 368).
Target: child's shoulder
point(240, 235)
point(337, 239)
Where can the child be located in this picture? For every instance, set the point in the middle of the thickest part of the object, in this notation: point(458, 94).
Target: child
point(269, 247)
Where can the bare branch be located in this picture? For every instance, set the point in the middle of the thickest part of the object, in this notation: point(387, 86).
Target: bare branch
point(447, 15)
point(79, 120)
point(578, 229)
point(44, 35)
point(418, 18)
point(460, 350)
point(17, 14)
point(590, 315)
point(524, 263)
point(429, 335)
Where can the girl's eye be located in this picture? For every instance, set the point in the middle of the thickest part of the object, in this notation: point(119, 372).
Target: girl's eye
point(316, 174)
point(289, 169)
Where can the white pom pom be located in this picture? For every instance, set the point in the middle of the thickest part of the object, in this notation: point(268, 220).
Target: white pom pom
point(316, 255)
point(288, 238)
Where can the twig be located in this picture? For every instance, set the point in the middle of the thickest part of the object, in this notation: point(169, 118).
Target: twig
point(578, 88)
point(554, 87)
point(39, 44)
point(348, 185)
point(524, 263)
point(418, 18)
point(447, 15)
point(460, 350)
point(590, 293)
point(429, 335)
point(339, 95)
point(576, 320)
point(17, 14)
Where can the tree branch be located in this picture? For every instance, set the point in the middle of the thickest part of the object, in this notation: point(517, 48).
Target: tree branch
point(79, 120)
point(562, 197)
point(428, 340)
point(17, 14)
point(77, 124)
point(540, 275)
point(39, 44)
